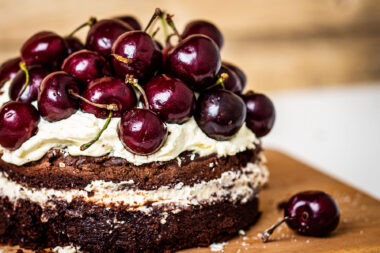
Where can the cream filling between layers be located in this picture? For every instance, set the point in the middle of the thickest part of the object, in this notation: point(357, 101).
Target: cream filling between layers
point(235, 186)
point(80, 128)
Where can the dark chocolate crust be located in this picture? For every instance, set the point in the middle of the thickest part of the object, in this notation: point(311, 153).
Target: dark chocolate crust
point(79, 171)
point(101, 229)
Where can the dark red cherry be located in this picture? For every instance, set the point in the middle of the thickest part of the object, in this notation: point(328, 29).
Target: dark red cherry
point(220, 113)
point(108, 90)
point(312, 213)
point(195, 60)
point(170, 99)
point(238, 72)
point(9, 69)
point(261, 113)
point(85, 65)
point(141, 131)
point(73, 44)
point(232, 82)
point(104, 33)
point(36, 74)
point(54, 101)
point(18, 122)
point(131, 21)
point(141, 49)
point(205, 28)
point(44, 48)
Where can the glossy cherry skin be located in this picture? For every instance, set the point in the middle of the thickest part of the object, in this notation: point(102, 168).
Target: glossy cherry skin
point(18, 122)
point(314, 213)
point(104, 33)
point(131, 21)
point(108, 90)
point(84, 65)
point(232, 83)
point(238, 72)
point(141, 131)
point(261, 113)
point(205, 28)
point(170, 99)
point(220, 113)
point(36, 74)
point(44, 48)
point(54, 101)
point(195, 60)
point(73, 44)
point(139, 47)
point(9, 69)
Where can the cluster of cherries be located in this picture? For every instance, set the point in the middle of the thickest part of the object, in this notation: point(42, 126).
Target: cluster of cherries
point(122, 71)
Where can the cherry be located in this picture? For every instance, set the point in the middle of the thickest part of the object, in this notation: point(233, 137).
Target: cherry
point(18, 122)
point(312, 213)
point(141, 50)
point(170, 99)
point(85, 65)
point(238, 72)
point(141, 131)
point(73, 44)
point(9, 69)
point(108, 90)
point(45, 48)
point(54, 101)
point(104, 33)
point(220, 113)
point(232, 82)
point(261, 113)
point(195, 60)
point(29, 93)
point(205, 28)
point(131, 21)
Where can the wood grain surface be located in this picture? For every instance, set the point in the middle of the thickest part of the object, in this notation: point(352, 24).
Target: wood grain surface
point(358, 231)
point(279, 44)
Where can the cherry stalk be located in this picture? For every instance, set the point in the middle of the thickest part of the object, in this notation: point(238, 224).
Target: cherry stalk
point(27, 77)
point(89, 22)
point(170, 22)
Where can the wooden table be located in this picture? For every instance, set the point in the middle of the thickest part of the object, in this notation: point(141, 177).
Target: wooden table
point(358, 231)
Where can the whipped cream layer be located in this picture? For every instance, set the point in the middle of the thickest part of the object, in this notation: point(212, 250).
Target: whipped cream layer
point(235, 186)
point(80, 128)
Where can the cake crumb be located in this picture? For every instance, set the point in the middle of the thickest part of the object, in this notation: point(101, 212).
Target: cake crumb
point(62, 165)
point(307, 241)
point(241, 232)
point(218, 246)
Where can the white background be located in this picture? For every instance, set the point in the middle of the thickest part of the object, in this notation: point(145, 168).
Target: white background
point(336, 130)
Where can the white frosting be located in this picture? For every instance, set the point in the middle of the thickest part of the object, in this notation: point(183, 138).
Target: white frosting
point(81, 127)
point(235, 186)
point(66, 249)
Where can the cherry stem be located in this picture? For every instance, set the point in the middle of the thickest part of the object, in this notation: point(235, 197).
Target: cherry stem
point(155, 32)
point(219, 81)
point(27, 77)
point(170, 22)
point(89, 22)
point(157, 13)
point(129, 79)
point(164, 26)
point(88, 144)
point(122, 59)
point(267, 233)
point(110, 107)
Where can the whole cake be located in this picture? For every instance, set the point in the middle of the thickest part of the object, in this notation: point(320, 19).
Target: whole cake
point(120, 145)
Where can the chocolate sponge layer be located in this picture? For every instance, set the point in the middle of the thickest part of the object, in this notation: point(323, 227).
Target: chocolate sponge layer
point(58, 170)
point(97, 228)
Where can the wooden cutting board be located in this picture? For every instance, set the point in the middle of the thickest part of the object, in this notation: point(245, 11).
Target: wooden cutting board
point(358, 231)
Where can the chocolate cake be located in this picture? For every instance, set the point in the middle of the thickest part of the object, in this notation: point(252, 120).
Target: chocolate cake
point(105, 173)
